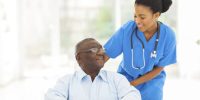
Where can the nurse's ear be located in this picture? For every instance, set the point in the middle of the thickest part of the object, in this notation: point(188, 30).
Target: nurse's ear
point(156, 15)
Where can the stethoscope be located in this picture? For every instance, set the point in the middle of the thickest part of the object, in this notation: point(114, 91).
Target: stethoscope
point(153, 53)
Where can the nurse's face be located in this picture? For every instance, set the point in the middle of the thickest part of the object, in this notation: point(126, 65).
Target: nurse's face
point(145, 18)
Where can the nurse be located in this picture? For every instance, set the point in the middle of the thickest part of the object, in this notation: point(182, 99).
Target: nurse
point(147, 46)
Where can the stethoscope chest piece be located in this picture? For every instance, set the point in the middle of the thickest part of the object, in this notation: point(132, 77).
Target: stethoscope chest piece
point(153, 54)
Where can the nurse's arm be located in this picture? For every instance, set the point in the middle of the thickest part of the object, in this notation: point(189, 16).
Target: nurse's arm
point(148, 76)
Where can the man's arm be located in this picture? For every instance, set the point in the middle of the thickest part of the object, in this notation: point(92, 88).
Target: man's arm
point(60, 91)
point(126, 91)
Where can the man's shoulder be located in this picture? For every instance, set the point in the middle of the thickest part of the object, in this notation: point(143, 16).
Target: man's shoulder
point(113, 75)
point(67, 77)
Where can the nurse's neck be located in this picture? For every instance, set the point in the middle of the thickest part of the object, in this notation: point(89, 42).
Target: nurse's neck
point(150, 32)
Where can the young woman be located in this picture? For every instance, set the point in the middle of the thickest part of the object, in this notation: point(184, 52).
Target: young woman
point(147, 46)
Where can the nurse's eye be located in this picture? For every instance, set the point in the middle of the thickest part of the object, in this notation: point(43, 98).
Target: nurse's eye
point(142, 17)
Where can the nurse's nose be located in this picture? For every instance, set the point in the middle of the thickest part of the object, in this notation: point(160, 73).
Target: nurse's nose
point(138, 23)
point(137, 20)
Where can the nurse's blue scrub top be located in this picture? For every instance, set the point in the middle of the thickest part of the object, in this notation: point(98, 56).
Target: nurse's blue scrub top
point(166, 54)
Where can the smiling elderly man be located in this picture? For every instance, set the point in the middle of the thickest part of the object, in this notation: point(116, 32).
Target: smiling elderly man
point(92, 83)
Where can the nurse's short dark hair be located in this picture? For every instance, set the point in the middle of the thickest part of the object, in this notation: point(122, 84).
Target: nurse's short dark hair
point(156, 5)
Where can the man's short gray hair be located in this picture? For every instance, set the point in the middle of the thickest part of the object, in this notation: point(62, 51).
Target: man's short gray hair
point(79, 44)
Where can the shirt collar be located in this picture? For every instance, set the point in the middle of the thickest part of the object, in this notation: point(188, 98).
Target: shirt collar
point(102, 74)
point(81, 74)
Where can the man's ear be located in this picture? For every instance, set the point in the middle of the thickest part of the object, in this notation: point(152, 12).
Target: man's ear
point(77, 57)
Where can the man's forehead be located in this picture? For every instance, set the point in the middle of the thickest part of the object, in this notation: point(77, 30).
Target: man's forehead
point(90, 44)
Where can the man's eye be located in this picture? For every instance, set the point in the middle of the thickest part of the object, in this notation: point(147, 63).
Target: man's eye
point(94, 50)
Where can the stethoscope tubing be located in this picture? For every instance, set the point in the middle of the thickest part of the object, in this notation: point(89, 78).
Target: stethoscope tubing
point(154, 53)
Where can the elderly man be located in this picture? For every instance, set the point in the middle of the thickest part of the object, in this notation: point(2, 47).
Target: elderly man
point(92, 83)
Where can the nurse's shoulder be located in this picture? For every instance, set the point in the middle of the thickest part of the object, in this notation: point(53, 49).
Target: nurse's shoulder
point(129, 24)
point(128, 27)
point(168, 31)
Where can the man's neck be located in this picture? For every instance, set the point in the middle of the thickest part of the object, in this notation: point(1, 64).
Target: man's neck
point(93, 75)
point(91, 71)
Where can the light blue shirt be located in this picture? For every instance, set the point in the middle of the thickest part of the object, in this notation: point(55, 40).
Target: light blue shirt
point(120, 43)
point(106, 86)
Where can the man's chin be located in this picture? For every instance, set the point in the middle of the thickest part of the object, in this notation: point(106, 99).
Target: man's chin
point(100, 65)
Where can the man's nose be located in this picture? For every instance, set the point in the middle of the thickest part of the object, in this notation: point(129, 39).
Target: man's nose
point(100, 52)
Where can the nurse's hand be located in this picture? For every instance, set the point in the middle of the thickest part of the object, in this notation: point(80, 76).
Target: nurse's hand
point(146, 77)
point(134, 83)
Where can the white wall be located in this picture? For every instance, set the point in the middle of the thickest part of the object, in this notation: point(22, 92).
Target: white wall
point(9, 51)
point(188, 34)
